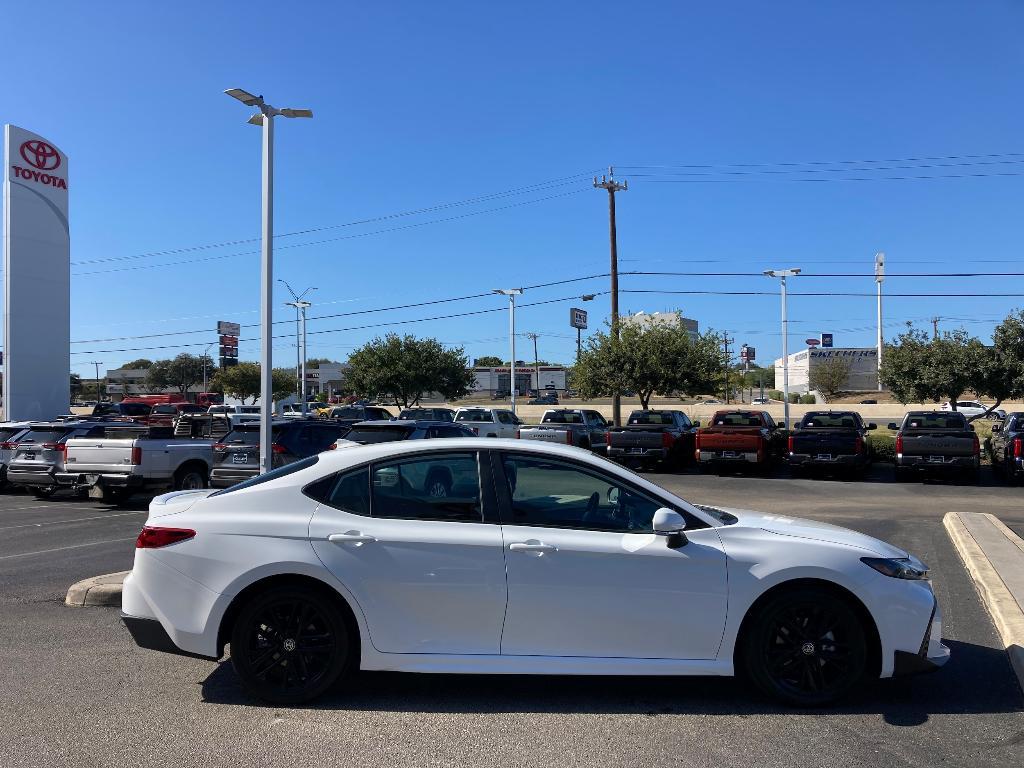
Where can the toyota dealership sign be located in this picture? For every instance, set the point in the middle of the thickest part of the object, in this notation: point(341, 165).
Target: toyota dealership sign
point(37, 273)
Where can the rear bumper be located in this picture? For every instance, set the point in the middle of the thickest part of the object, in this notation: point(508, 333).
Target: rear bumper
point(705, 456)
point(645, 454)
point(948, 463)
point(99, 480)
point(31, 477)
point(150, 634)
point(225, 478)
point(817, 460)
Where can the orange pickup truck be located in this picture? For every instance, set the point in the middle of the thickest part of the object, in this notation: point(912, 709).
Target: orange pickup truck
point(737, 437)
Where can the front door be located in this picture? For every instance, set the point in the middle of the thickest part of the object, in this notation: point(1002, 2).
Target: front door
point(588, 577)
point(409, 541)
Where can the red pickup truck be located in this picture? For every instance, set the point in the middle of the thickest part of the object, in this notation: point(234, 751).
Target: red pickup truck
point(748, 438)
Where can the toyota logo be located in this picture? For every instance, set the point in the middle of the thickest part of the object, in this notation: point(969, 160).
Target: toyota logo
point(40, 155)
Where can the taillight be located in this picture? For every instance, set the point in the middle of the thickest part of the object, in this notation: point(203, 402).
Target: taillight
point(59, 447)
point(518, 434)
point(1017, 448)
point(8, 446)
point(219, 447)
point(136, 455)
point(858, 445)
point(667, 440)
point(278, 448)
point(789, 444)
point(899, 443)
point(977, 446)
point(568, 437)
point(153, 537)
point(696, 441)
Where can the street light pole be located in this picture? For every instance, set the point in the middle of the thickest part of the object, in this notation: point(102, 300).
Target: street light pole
point(98, 363)
point(300, 338)
point(206, 356)
point(609, 183)
point(265, 118)
point(879, 277)
point(511, 293)
point(782, 274)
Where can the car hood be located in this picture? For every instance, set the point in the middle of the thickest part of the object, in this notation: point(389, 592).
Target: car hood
point(175, 502)
point(783, 525)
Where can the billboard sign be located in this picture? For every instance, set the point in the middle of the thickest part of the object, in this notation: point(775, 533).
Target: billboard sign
point(224, 328)
point(578, 318)
point(37, 273)
point(748, 354)
point(826, 340)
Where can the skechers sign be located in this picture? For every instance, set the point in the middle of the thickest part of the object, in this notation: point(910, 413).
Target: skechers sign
point(43, 158)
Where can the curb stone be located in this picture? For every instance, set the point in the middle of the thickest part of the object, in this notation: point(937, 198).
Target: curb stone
point(1006, 612)
point(99, 590)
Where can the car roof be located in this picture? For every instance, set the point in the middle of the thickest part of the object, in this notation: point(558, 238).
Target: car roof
point(403, 423)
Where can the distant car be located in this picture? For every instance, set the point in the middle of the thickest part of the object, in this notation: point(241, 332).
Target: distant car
point(237, 456)
point(135, 411)
point(869, 402)
point(347, 415)
point(369, 432)
point(969, 408)
point(936, 442)
point(489, 422)
point(499, 395)
point(165, 415)
point(712, 401)
point(40, 452)
point(10, 431)
point(550, 399)
point(294, 411)
point(759, 401)
point(427, 414)
point(1006, 448)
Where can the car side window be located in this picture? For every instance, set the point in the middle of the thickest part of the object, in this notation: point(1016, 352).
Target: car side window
point(555, 494)
point(348, 491)
point(443, 487)
point(769, 421)
point(504, 417)
point(684, 421)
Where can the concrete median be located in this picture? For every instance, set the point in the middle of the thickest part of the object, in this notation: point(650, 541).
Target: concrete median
point(994, 556)
point(97, 591)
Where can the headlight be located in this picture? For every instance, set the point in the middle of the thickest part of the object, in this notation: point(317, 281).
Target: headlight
point(898, 567)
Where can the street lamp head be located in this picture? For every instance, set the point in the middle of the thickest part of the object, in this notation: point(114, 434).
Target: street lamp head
point(509, 291)
point(588, 296)
point(782, 272)
point(288, 112)
point(256, 119)
point(244, 96)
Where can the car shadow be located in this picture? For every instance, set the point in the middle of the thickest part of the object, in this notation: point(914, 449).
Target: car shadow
point(957, 689)
point(877, 473)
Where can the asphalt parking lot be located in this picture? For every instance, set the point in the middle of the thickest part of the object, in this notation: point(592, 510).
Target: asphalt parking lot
point(77, 692)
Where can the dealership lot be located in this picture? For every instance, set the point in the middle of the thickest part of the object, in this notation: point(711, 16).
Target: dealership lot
point(77, 692)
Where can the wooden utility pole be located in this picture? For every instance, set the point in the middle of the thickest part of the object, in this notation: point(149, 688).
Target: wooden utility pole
point(935, 327)
point(536, 360)
point(609, 183)
point(726, 341)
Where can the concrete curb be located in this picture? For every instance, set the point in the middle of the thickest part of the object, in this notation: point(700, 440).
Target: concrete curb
point(99, 590)
point(1007, 614)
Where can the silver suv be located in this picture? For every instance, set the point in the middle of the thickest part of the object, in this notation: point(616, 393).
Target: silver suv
point(40, 452)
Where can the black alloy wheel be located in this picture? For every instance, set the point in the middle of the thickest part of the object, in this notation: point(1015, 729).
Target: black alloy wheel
point(289, 645)
point(806, 647)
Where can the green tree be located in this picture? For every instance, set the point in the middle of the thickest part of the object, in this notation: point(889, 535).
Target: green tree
point(282, 382)
point(316, 362)
point(829, 375)
point(406, 368)
point(489, 361)
point(1001, 367)
point(141, 363)
point(919, 369)
point(242, 382)
point(76, 385)
point(181, 373)
point(647, 359)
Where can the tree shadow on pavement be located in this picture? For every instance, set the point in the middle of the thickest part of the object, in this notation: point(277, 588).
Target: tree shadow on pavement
point(978, 679)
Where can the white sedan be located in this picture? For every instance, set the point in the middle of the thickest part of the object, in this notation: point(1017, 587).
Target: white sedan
point(505, 557)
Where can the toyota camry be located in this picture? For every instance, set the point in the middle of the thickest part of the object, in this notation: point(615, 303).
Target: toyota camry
point(498, 556)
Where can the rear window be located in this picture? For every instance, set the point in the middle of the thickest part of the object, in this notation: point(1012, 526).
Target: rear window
point(828, 420)
point(477, 416)
point(736, 420)
point(936, 421)
point(247, 436)
point(562, 417)
point(44, 435)
point(412, 414)
point(369, 435)
point(347, 413)
point(8, 432)
point(284, 471)
point(651, 418)
point(162, 409)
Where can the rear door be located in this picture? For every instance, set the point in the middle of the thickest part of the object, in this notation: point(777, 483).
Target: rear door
point(427, 569)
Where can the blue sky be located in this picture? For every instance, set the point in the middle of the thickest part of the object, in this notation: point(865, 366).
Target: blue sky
point(419, 105)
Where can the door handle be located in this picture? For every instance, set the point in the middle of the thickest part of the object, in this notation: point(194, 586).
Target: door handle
point(350, 537)
point(532, 546)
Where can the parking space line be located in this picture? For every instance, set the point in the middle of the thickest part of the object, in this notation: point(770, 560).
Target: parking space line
point(74, 520)
point(61, 549)
point(44, 506)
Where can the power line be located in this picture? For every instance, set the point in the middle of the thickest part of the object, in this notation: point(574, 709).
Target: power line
point(827, 293)
point(832, 162)
point(932, 177)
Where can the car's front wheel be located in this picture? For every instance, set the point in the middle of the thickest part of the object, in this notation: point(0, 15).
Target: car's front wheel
point(289, 645)
point(805, 647)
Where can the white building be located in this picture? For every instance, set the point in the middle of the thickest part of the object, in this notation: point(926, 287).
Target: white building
point(648, 319)
point(491, 380)
point(863, 376)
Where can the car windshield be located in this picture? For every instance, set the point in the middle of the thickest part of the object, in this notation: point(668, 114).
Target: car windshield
point(936, 421)
point(473, 416)
point(368, 435)
point(159, 409)
point(347, 413)
point(651, 418)
point(828, 420)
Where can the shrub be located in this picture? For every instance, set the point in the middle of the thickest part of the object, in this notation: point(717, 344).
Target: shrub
point(774, 394)
point(808, 399)
point(883, 447)
point(794, 398)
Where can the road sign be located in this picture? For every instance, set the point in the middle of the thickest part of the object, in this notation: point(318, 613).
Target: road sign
point(748, 354)
point(578, 318)
point(812, 342)
point(224, 328)
point(826, 340)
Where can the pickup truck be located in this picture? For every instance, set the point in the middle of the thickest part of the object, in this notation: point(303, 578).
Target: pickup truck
point(830, 440)
point(1006, 448)
point(126, 460)
point(738, 438)
point(650, 437)
point(582, 428)
point(489, 422)
point(236, 414)
point(936, 442)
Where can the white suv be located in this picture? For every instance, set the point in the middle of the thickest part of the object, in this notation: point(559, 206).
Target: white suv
point(969, 408)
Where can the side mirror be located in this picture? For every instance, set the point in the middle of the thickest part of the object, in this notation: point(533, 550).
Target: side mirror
point(997, 427)
point(696, 423)
point(872, 425)
point(893, 426)
point(670, 524)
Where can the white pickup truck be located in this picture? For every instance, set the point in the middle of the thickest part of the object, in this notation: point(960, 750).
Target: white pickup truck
point(127, 461)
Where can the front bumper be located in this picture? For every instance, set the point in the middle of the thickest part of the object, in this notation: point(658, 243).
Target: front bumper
point(931, 655)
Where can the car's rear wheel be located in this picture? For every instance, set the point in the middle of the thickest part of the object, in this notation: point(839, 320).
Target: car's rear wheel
point(189, 479)
point(805, 647)
point(289, 645)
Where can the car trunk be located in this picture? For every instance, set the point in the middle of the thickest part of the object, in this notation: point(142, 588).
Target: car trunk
point(640, 436)
point(99, 454)
point(825, 441)
point(739, 439)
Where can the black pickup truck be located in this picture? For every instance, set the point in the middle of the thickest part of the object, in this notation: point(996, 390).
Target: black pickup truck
point(653, 437)
point(1006, 448)
point(936, 443)
point(830, 440)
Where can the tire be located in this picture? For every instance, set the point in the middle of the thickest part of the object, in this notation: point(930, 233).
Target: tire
point(116, 496)
point(44, 491)
point(805, 648)
point(189, 479)
point(289, 645)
